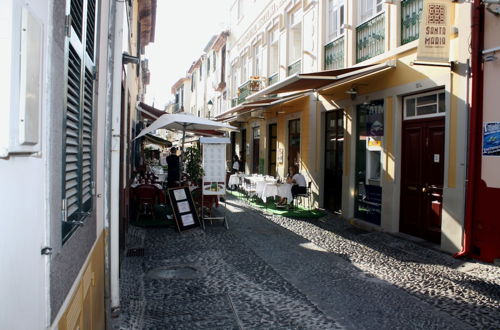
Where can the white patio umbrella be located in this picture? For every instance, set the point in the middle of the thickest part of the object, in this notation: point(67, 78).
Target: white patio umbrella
point(184, 122)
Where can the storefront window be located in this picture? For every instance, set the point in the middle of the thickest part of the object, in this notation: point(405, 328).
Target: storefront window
point(369, 135)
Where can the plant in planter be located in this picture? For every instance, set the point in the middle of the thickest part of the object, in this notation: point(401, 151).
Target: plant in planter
point(193, 164)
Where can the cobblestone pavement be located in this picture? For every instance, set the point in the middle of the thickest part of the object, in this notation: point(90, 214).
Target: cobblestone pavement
point(271, 272)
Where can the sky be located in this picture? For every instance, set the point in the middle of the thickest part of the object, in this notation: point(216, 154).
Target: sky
point(183, 29)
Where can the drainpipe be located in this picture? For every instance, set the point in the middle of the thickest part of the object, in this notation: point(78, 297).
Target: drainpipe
point(112, 156)
point(475, 124)
point(115, 158)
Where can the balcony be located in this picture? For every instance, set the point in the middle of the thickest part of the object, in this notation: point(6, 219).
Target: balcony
point(234, 102)
point(273, 79)
point(370, 38)
point(294, 68)
point(244, 91)
point(411, 13)
point(334, 54)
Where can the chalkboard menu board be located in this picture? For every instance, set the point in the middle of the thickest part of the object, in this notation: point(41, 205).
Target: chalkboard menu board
point(183, 207)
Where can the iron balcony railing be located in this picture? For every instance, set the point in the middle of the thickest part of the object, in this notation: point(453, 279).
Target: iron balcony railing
point(411, 13)
point(273, 79)
point(334, 54)
point(234, 102)
point(370, 38)
point(243, 91)
point(294, 68)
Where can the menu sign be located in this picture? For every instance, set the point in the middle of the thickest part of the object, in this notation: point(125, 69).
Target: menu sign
point(434, 39)
point(183, 207)
point(214, 166)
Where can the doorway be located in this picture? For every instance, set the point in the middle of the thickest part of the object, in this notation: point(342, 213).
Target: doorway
point(422, 166)
point(294, 142)
point(334, 151)
point(255, 149)
point(272, 149)
point(243, 150)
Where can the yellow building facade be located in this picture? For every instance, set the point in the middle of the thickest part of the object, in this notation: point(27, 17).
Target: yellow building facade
point(380, 134)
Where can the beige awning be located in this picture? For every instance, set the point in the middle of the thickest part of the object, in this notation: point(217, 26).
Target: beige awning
point(303, 82)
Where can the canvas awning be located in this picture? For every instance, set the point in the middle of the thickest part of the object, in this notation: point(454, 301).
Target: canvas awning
point(149, 112)
point(318, 80)
point(157, 140)
point(249, 106)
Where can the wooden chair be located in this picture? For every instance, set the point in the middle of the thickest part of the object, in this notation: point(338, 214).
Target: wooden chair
point(146, 196)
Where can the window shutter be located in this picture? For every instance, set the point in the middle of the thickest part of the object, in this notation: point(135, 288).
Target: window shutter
point(79, 108)
point(72, 157)
point(90, 37)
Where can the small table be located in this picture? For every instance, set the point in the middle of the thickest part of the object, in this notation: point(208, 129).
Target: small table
point(277, 189)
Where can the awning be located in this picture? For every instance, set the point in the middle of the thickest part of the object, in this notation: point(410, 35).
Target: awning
point(249, 106)
point(149, 112)
point(318, 80)
point(157, 140)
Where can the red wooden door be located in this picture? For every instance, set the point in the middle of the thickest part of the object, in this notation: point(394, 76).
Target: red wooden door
point(422, 172)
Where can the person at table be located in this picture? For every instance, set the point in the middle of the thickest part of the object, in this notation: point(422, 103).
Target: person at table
point(173, 169)
point(236, 164)
point(298, 182)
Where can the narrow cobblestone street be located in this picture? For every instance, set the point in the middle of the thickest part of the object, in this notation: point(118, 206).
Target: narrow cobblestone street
point(271, 272)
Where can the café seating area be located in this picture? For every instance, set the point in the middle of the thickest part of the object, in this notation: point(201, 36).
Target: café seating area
point(264, 188)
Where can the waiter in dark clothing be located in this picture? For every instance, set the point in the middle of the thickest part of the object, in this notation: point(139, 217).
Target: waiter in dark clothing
point(173, 169)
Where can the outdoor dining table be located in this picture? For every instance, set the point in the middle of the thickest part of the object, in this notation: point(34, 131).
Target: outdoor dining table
point(272, 189)
point(235, 179)
point(260, 185)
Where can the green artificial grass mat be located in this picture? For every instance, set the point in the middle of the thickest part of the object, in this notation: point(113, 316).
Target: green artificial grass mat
point(270, 207)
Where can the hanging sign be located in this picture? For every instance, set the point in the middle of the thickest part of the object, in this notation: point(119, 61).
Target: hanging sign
point(434, 38)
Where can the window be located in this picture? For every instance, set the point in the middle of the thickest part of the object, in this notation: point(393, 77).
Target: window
point(430, 104)
point(201, 71)
point(208, 66)
point(257, 61)
point(78, 130)
point(244, 69)
point(273, 52)
point(335, 18)
point(368, 9)
point(241, 8)
point(214, 56)
point(295, 38)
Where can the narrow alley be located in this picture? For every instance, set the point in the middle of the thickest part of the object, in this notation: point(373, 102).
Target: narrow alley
point(273, 272)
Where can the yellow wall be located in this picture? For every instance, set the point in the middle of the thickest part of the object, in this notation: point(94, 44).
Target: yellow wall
point(86, 308)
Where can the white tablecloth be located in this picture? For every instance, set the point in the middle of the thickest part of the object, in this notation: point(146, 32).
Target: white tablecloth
point(135, 185)
point(235, 180)
point(260, 186)
point(272, 189)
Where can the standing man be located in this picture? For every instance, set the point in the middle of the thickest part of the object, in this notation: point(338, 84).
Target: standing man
point(173, 170)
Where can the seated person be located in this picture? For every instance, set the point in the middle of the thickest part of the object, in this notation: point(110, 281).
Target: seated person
point(298, 184)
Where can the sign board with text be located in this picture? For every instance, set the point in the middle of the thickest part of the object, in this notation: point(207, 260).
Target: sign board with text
point(434, 38)
point(183, 208)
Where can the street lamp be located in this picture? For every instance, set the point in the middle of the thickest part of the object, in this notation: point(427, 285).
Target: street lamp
point(210, 105)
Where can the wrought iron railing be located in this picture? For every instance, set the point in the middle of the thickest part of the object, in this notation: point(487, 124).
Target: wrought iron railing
point(334, 54)
point(273, 79)
point(243, 91)
point(411, 12)
point(294, 68)
point(370, 38)
point(234, 102)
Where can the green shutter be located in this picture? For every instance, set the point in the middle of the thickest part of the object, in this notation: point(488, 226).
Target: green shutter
point(78, 120)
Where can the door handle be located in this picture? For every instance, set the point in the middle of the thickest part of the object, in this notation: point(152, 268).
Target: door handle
point(424, 189)
point(413, 188)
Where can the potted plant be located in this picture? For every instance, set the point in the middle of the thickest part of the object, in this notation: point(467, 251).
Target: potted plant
point(192, 161)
